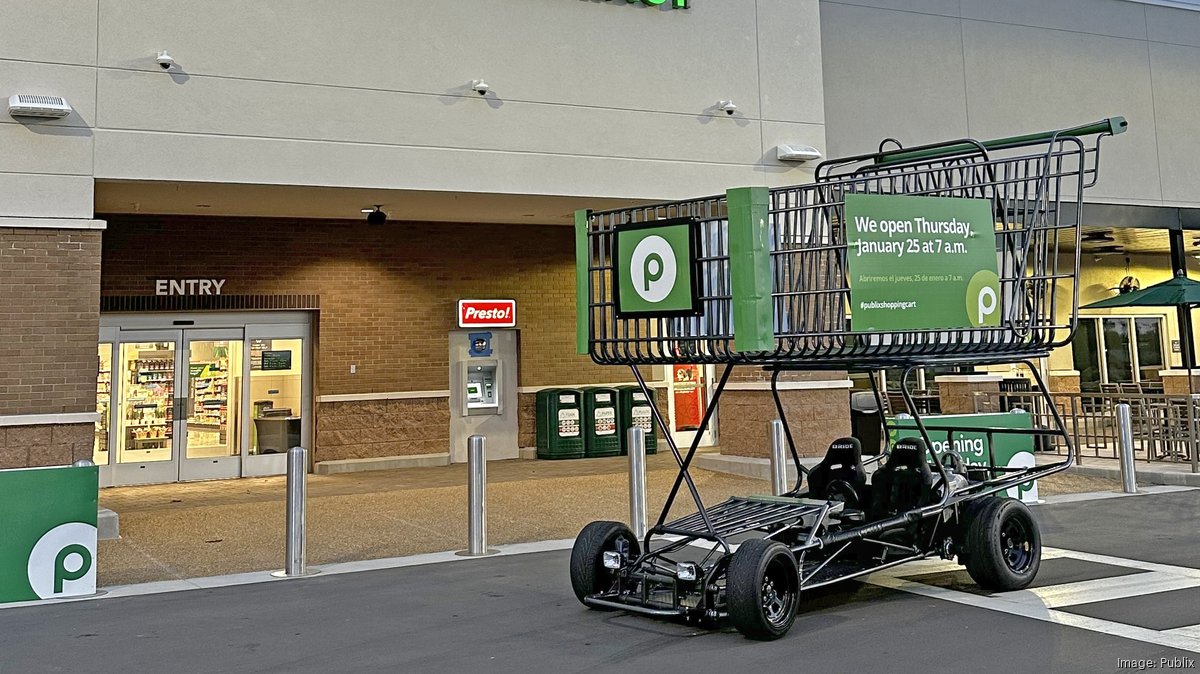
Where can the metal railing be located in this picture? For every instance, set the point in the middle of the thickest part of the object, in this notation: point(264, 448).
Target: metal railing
point(1165, 428)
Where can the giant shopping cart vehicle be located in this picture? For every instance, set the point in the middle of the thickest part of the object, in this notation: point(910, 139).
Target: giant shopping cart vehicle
point(963, 252)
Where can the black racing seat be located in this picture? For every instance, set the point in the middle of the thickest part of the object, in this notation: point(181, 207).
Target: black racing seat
point(840, 475)
point(904, 482)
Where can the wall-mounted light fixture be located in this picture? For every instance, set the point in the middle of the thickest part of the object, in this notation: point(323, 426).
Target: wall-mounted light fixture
point(375, 216)
point(797, 154)
point(36, 105)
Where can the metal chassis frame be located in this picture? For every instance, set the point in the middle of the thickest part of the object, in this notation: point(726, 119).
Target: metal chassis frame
point(844, 538)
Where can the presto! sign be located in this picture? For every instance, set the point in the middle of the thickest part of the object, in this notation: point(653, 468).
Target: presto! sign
point(49, 544)
point(654, 269)
point(487, 313)
point(919, 263)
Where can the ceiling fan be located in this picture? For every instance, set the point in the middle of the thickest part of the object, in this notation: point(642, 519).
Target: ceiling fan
point(1098, 236)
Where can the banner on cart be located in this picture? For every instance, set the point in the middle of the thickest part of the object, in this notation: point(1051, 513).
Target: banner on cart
point(1011, 450)
point(655, 269)
point(49, 545)
point(920, 263)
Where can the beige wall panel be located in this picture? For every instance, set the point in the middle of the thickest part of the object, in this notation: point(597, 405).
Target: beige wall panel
point(942, 7)
point(867, 92)
point(45, 148)
point(56, 31)
point(1177, 26)
point(1118, 18)
point(209, 105)
point(1176, 73)
point(29, 195)
point(160, 156)
point(790, 60)
point(1024, 79)
point(571, 52)
point(77, 84)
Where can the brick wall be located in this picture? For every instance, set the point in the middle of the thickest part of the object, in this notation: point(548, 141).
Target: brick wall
point(45, 445)
point(49, 320)
point(372, 428)
point(816, 418)
point(387, 292)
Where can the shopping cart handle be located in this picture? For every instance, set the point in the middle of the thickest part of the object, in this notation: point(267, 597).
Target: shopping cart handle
point(1111, 126)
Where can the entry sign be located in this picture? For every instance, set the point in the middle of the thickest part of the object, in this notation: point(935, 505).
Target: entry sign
point(920, 263)
point(48, 548)
point(487, 313)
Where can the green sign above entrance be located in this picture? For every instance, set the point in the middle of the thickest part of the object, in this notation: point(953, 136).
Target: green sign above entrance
point(49, 544)
point(919, 263)
point(673, 4)
point(654, 269)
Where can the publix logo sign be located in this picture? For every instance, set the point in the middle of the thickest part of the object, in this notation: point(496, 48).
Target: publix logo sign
point(654, 266)
point(49, 547)
point(673, 4)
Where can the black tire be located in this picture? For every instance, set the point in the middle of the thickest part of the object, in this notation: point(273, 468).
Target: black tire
point(762, 589)
point(1003, 545)
point(588, 575)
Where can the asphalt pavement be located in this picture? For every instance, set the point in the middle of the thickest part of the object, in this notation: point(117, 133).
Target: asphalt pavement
point(1120, 581)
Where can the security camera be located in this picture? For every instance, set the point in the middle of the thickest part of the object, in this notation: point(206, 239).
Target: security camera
point(375, 216)
point(728, 106)
point(480, 87)
point(164, 60)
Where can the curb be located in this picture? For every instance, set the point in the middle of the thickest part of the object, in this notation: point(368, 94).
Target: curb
point(1143, 476)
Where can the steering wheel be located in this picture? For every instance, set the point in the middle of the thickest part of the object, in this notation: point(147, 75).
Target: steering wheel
point(954, 462)
point(841, 490)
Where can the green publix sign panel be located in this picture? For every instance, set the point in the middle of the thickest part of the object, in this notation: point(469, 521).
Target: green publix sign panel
point(673, 4)
point(913, 263)
point(48, 548)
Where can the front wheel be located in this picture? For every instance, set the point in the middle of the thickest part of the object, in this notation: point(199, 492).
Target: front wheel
point(588, 575)
point(1003, 545)
point(762, 589)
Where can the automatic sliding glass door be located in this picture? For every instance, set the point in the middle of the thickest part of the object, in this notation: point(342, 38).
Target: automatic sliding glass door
point(146, 378)
point(211, 405)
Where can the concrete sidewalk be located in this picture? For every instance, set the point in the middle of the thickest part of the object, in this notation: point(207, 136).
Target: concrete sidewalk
point(1147, 472)
point(178, 531)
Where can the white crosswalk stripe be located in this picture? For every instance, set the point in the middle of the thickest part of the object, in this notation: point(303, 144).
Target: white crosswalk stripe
point(1042, 603)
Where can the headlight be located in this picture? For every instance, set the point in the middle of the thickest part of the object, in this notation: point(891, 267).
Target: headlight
point(612, 560)
point(686, 571)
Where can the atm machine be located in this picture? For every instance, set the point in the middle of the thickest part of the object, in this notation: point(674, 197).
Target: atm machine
point(483, 392)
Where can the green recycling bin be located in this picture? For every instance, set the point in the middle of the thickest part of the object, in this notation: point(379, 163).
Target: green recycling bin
point(559, 432)
point(633, 409)
point(600, 422)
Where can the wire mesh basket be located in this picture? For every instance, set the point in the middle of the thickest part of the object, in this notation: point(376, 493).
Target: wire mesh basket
point(1033, 186)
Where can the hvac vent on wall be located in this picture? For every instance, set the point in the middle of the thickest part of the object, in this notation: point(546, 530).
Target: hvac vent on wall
point(30, 105)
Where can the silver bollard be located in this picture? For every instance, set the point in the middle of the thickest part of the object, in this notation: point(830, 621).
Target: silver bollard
point(1125, 445)
point(779, 481)
point(637, 482)
point(296, 560)
point(476, 499)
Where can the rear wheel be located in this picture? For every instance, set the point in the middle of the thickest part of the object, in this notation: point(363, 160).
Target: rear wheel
point(588, 575)
point(762, 589)
point(1003, 545)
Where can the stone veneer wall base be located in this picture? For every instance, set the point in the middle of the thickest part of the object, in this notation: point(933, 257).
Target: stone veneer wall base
point(381, 463)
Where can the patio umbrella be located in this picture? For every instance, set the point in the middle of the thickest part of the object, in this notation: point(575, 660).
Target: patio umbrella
point(1180, 291)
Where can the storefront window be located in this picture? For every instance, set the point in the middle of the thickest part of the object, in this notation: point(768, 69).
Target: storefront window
point(276, 389)
point(103, 400)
